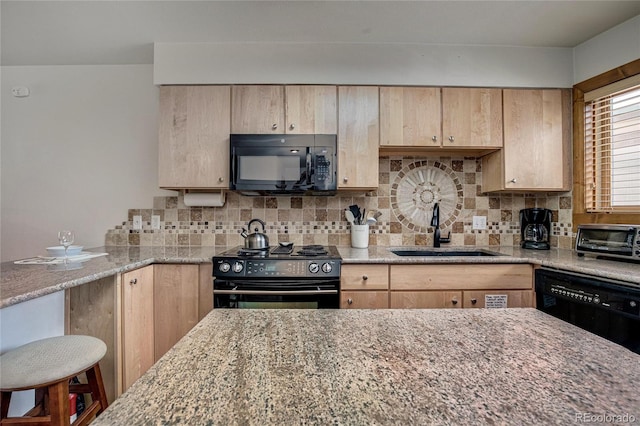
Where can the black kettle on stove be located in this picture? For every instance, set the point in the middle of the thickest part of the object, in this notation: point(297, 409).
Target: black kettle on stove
point(535, 228)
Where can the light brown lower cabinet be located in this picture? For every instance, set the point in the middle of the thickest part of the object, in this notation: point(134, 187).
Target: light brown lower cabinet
point(364, 299)
point(426, 299)
point(139, 314)
point(513, 298)
point(175, 304)
point(364, 286)
point(137, 324)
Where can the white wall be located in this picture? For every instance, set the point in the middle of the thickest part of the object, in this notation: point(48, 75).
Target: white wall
point(610, 49)
point(77, 153)
point(344, 63)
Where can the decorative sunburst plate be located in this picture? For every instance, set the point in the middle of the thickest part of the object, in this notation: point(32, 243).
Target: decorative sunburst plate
point(418, 186)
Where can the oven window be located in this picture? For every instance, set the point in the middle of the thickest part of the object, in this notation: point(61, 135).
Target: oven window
point(269, 168)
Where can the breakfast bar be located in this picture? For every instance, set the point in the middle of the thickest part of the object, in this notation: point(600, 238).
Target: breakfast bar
point(505, 366)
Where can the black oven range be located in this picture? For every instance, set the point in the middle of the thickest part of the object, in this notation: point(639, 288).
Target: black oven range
point(281, 277)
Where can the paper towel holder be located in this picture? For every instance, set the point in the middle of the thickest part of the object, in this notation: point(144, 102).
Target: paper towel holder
point(204, 199)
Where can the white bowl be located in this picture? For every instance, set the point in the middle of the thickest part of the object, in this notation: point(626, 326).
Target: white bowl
point(58, 251)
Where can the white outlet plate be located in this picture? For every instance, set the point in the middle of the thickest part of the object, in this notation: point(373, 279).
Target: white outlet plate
point(479, 222)
point(137, 222)
point(155, 221)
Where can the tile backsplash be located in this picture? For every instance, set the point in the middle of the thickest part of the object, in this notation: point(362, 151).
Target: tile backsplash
point(408, 186)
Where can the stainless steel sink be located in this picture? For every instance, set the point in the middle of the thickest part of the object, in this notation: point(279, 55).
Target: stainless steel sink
point(442, 253)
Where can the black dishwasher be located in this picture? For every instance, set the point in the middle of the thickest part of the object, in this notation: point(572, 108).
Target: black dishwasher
point(608, 308)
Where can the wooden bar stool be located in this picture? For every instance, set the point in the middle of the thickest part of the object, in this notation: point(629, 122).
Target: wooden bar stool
point(47, 365)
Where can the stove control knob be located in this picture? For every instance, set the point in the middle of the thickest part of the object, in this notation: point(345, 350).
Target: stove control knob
point(326, 268)
point(238, 267)
point(224, 267)
point(314, 268)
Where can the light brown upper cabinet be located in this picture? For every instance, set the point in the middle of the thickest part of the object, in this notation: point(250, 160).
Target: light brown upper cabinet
point(433, 119)
point(284, 109)
point(257, 109)
point(358, 137)
point(194, 137)
point(537, 151)
point(311, 109)
point(471, 118)
point(410, 116)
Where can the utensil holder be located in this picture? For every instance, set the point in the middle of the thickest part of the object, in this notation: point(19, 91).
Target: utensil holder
point(359, 236)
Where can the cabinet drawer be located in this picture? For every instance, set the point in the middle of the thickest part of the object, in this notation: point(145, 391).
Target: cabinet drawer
point(364, 299)
point(461, 277)
point(425, 299)
point(515, 298)
point(364, 277)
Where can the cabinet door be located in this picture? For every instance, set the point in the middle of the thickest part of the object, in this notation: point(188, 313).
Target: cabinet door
point(137, 324)
point(364, 299)
point(194, 137)
point(364, 277)
point(471, 118)
point(205, 298)
point(311, 109)
point(536, 144)
point(410, 116)
point(514, 298)
point(257, 109)
point(358, 136)
point(175, 299)
point(425, 299)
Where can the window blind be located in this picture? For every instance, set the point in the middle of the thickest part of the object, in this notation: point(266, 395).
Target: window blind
point(612, 147)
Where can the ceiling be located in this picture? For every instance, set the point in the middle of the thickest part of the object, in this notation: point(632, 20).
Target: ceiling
point(123, 32)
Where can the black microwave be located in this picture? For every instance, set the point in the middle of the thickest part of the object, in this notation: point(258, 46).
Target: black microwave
point(283, 164)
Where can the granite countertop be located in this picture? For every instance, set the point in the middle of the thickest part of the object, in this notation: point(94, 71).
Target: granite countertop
point(504, 366)
point(19, 283)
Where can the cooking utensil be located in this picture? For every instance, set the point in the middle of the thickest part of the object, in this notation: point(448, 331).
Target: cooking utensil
point(257, 240)
point(355, 210)
point(349, 215)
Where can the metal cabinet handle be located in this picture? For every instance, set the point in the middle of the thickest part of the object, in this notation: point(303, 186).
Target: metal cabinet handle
point(345, 179)
point(454, 301)
point(434, 139)
point(274, 126)
point(364, 277)
point(451, 139)
point(349, 301)
point(133, 281)
point(292, 126)
point(220, 179)
point(514, 180)
point(474, 301)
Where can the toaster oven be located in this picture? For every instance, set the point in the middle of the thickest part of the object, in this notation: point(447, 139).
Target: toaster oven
point(615, 241)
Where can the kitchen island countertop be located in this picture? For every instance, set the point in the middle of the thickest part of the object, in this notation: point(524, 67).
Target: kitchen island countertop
point(504, 366)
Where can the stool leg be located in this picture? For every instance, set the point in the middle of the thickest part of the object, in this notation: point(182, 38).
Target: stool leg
point(94, 377)
point(5, 399)
point(59, 403)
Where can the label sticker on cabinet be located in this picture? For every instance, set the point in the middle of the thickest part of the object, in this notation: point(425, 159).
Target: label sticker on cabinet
point(495, 301)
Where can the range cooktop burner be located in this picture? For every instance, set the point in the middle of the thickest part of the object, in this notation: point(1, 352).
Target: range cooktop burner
point(253, 252)
point(313, 250)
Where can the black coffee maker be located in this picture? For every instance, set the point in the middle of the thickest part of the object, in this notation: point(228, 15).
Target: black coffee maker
point(535, 228)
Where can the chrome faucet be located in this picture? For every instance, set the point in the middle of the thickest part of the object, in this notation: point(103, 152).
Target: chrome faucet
point(435, 222)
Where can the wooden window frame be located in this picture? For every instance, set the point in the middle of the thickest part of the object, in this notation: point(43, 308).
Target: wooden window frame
point(580, 215)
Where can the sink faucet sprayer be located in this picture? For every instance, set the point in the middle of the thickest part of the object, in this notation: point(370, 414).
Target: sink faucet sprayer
point(435, 222)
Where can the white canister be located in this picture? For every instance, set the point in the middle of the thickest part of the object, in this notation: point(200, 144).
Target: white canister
point(359, 236)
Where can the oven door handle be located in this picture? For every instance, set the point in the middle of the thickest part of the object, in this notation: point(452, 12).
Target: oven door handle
point(275, 292)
